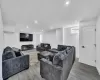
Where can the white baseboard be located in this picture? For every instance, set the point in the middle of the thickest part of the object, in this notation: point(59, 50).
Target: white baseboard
point(98, 69)
point(84, 62)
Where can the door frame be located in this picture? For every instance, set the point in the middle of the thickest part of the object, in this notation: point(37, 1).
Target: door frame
point(80, 40)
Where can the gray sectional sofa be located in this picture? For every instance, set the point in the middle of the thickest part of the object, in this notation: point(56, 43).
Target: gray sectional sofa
point(59, 68)
point(13, 61)
point(43, 47)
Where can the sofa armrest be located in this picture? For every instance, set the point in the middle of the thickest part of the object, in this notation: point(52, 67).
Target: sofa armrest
point(50, 71)
point(14, 65)
point(50, 64)
point(54, 49)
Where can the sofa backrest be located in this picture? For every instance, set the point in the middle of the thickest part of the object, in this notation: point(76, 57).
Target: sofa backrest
point(8, 53)
point(68, 62)
point(45, 45)
point(61, 47)
point(61, 55)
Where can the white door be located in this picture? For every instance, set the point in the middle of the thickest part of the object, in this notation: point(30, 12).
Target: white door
point(87, 45)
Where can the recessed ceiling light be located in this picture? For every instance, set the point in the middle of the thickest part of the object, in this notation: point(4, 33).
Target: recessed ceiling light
point(27, 27)
point(67, 2)
point(36, 22)
point(51, 27)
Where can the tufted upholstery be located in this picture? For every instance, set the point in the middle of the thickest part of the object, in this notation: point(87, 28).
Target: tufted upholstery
point(59, 57)
point(60, 68)
point(8, 53)
point(13, 64)
point(43, 47)
point(61, 47)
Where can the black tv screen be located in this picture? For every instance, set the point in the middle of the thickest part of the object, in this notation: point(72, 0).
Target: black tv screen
point(26, 37)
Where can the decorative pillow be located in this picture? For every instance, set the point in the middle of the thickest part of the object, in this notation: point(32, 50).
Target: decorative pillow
point(69, 49)
point(63, 55)
point(59, 57)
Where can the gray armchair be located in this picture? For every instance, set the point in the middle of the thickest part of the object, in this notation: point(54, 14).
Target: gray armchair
point(13, 62)
point(60, 68)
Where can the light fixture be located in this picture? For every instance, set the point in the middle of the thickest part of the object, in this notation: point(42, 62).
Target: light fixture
point(27, 27)
point(67, 2)
point(35, 21)
point(51, 27)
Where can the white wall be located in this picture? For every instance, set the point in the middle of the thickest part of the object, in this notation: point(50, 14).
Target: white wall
point(77, 45)
point(54, 37)
point(1, 45)
point(71, 39)
point(98, 45)
point(59, 36)
point(50, 37)
point(13, 39)
point(37, 39)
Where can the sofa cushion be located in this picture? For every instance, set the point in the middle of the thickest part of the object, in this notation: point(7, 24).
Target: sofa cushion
point(61, 47)
point(69, 49)
point(43, 47)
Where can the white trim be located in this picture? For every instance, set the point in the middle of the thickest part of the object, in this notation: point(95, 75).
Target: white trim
point(63, 35)
point(1, 44)
point(41, 38)
point(98, 69)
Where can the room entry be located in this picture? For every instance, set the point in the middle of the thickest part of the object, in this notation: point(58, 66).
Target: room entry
point(88, 45)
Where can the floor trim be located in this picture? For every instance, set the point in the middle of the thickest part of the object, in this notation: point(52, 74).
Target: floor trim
point(98, 69)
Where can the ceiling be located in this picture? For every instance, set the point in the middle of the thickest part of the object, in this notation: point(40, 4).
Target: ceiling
point(46, 14)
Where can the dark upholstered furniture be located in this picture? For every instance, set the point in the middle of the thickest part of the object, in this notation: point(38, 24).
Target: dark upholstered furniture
point(59, 68)
point(59, 48)
point(43, 47)
point(27, 47)
point(13, 61)
point(46, 55)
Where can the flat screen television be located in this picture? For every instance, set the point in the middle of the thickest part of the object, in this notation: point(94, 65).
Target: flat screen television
point(26, 37)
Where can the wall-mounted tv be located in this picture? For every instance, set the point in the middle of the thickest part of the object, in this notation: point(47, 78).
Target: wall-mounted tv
point(26, 37)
